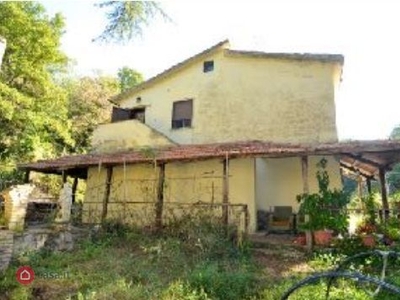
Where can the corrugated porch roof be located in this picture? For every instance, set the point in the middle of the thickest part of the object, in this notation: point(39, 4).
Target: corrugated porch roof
point(366, 157)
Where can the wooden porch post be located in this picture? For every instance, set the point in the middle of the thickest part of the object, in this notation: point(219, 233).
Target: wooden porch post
point(107, 193)
point(160, 196)
point(74, 187)
point(359, 186)
point(27, 175)
point(369, 188)
point(385, 203)
point(306, 190)
point(64, 177)
point(225, 191)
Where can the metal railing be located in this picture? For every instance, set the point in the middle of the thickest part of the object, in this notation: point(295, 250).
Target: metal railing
point(378, 281)
point(144, 213)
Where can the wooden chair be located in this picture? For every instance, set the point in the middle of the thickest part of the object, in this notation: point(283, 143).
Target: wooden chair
point(281, 219)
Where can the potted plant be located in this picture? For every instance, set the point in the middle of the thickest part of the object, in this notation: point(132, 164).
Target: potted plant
point(326, 209)
point(367, 230)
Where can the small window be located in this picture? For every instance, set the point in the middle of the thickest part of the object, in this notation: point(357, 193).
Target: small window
point(122, 114)
point(182, 113)
point(208, 66)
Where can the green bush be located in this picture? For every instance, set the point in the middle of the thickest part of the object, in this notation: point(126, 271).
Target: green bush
point(349, 246)
point(327, 208)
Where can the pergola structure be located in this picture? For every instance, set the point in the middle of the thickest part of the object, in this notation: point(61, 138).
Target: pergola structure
point(367, 159)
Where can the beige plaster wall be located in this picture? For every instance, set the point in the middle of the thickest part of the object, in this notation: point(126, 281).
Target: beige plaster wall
point(189, 83)
point(189, 182)
point(125, 135)
point(272, 99)
point(244, 98)
point(260, 183)
point(279, 180)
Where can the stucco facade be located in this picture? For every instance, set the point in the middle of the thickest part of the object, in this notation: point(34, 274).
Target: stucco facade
point(279, 180)
point(246, 96)
point(191, 182)
point(260, 183)
point(282, 98)
point(128, 134)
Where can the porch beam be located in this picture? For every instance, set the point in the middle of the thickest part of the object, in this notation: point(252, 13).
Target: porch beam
point(385, 203)
point(306, 190)
point(107, 191)
point(225, 191)
point(160, 196)
point(356, 170)
point(364, 160)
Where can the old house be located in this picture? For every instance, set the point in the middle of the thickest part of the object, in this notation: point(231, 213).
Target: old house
point(239, 129)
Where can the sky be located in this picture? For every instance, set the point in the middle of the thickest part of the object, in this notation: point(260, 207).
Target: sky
point(365, 32)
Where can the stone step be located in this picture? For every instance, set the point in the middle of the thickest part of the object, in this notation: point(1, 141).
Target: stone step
point(6, 248)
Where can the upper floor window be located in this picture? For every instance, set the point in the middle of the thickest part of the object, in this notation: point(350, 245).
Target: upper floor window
point(122, 114)
point(208, 66)
point(182, 113)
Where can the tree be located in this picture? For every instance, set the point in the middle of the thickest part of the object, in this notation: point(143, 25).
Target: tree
point(128, 78)
point(88, 106)
point(393, 177)
point(34, 122)
point(395, 134)
point(33, 40)
point(126, 19)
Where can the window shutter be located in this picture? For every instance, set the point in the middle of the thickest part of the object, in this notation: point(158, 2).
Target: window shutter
point(182, 110)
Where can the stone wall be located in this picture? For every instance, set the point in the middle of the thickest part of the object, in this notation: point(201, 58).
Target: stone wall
point(18, 197)
point(53, 239)
point(16, 202)
point(59, 238)
point(6, 248)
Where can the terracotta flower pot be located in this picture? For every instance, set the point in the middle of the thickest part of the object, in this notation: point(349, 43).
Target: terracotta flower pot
point(300, 240)
point(368, 240)
point(322, 237)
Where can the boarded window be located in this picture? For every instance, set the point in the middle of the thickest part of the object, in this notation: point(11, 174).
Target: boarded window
point(122, 114)
point(182, 113)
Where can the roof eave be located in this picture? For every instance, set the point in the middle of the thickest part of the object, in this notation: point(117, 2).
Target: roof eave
point(319, 57)
point(118, 98)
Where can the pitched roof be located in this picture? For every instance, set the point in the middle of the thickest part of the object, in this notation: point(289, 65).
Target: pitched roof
point(366, 155)
point(320, 57)
point(174, 68)
point(327, 58)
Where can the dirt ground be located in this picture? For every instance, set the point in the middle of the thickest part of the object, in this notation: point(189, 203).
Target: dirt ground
point(279, 254)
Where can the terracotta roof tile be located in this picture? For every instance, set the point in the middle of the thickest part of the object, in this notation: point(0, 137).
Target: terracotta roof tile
point(387, 152)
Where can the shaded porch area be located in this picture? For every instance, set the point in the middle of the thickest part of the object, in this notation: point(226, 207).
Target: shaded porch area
point(367, 159)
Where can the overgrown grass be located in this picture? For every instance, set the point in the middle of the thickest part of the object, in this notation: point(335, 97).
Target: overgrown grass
point(192, 260)
point(125, 263)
